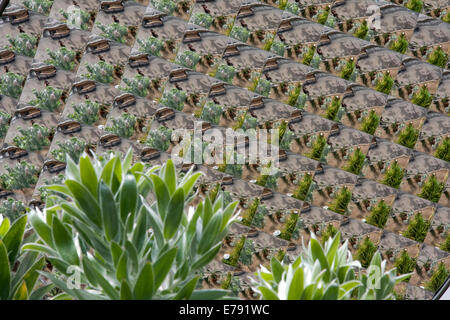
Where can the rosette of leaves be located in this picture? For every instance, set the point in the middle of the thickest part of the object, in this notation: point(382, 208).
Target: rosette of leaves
point(167, 6)
point(4, 123)
point(124, 126)
point(370, 122)
point(41, 6)
point(340, 203)
point(24, 44)
point(188, 59)
point(355, 163)
point(438, 57)
point(263, 87)
point(11, 84)
point(77, 18)
point(105, 231)
point(418, 228)
point(240, 33)
point(160, 138)
point(225, 73)
point(86, 112)
point(202, 19)
point(394, 175)
point(326, 272)
point(151, 45)
point(12, 209)
point(23, 175)
point(48, 98)
point(63, 58)
point(399, 43)
point(432, 189)
point(138, 85)
point(278, 47)
point(33, 138)
point(384, 84)
point(174, 99)
point(211, 112)
point(442, 151)
point(101, 72)
point(72, 148)
point(379, 215)
point(114, 31)
point(422, 97)
point(19, 271)
point(408, 137)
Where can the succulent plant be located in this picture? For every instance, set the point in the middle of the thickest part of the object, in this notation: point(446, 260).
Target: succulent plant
point(151, 45)
point(86, 112)
point(48, 98)
point(211, 112)
point(188, 59)
point(114, 31)
point(240, 33)
point(139, 85)
point(24, 44)
point(160, 139)
point(72, 147)
point(33, 138)
point(23, 175)
point(101, 72)
point(174, 98)
point(63, 58)
point(124, 126)
point(202, 19)
point(11, 84)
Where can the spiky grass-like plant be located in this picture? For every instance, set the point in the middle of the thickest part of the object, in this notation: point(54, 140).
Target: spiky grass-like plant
point(340, 203)
point(160, 139)
point(362, 30)
point(438, 278)
point(422, 97)
point(303, 187)
point(63, 58)
point(417, 228)
point(385, 84)
point(379, 215)
point(333, 109)
point(400, 44)
point(415, 5)
point(405, 264)
point(318, 146)
point(365, 252)
point(370, 123)
point(394, 175)
point(101, 72)
point(442, 151)
point(432, 189)
point(408, 137)
point(355, 163)
point(438, 57)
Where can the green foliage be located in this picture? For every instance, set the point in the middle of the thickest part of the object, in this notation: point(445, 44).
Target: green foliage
point(278, 48)
point(379, 215)
point(63, 58)
point(438, 57)
point(432, 189)
point(415, 5)
point(446, 17)
point(329, 232)
point(362, 30)
point(101, 72)
point(289, 226)
point(240, 33)
point(322, 16)
point(102, 231)
point(442, 151)
point(308, 56)
point(77, 18)
point(138, 85)
point(188, 59)
point(263, 87)
point(384, 84)
point(303, 187)
point(123, 126)
point(33, 138)
point(405, 264)
point(167, 6)
point(160, 139)
point(365, 252)
point(232, 164)
point(24, 44)
point(438, 278)
point(211, 112)
point(225, 73)
point(246, 254)
point(341, 201)
point(174, 99)
point(72, 147)
point(292, 8)
point(294, 94)
point(417, 228)
point(333, 109)
point(400, 44)
point(348, 69)
point(86, 112)
point(151, 45)
point(249, 213)
point(318, 146)
point(4, 123)
point(370, 123)
point(394, 175)
point(41, 6)
point(325, 272)
point(19, 271)
point(114, 31)
point(355, 163)
point(48, 98)
point(408, 136)
point(202, 19)
point(12, 209)
point(23, 175)
point(234, 255)
point(422, 97)
point(446, 244)
point(11, 84)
